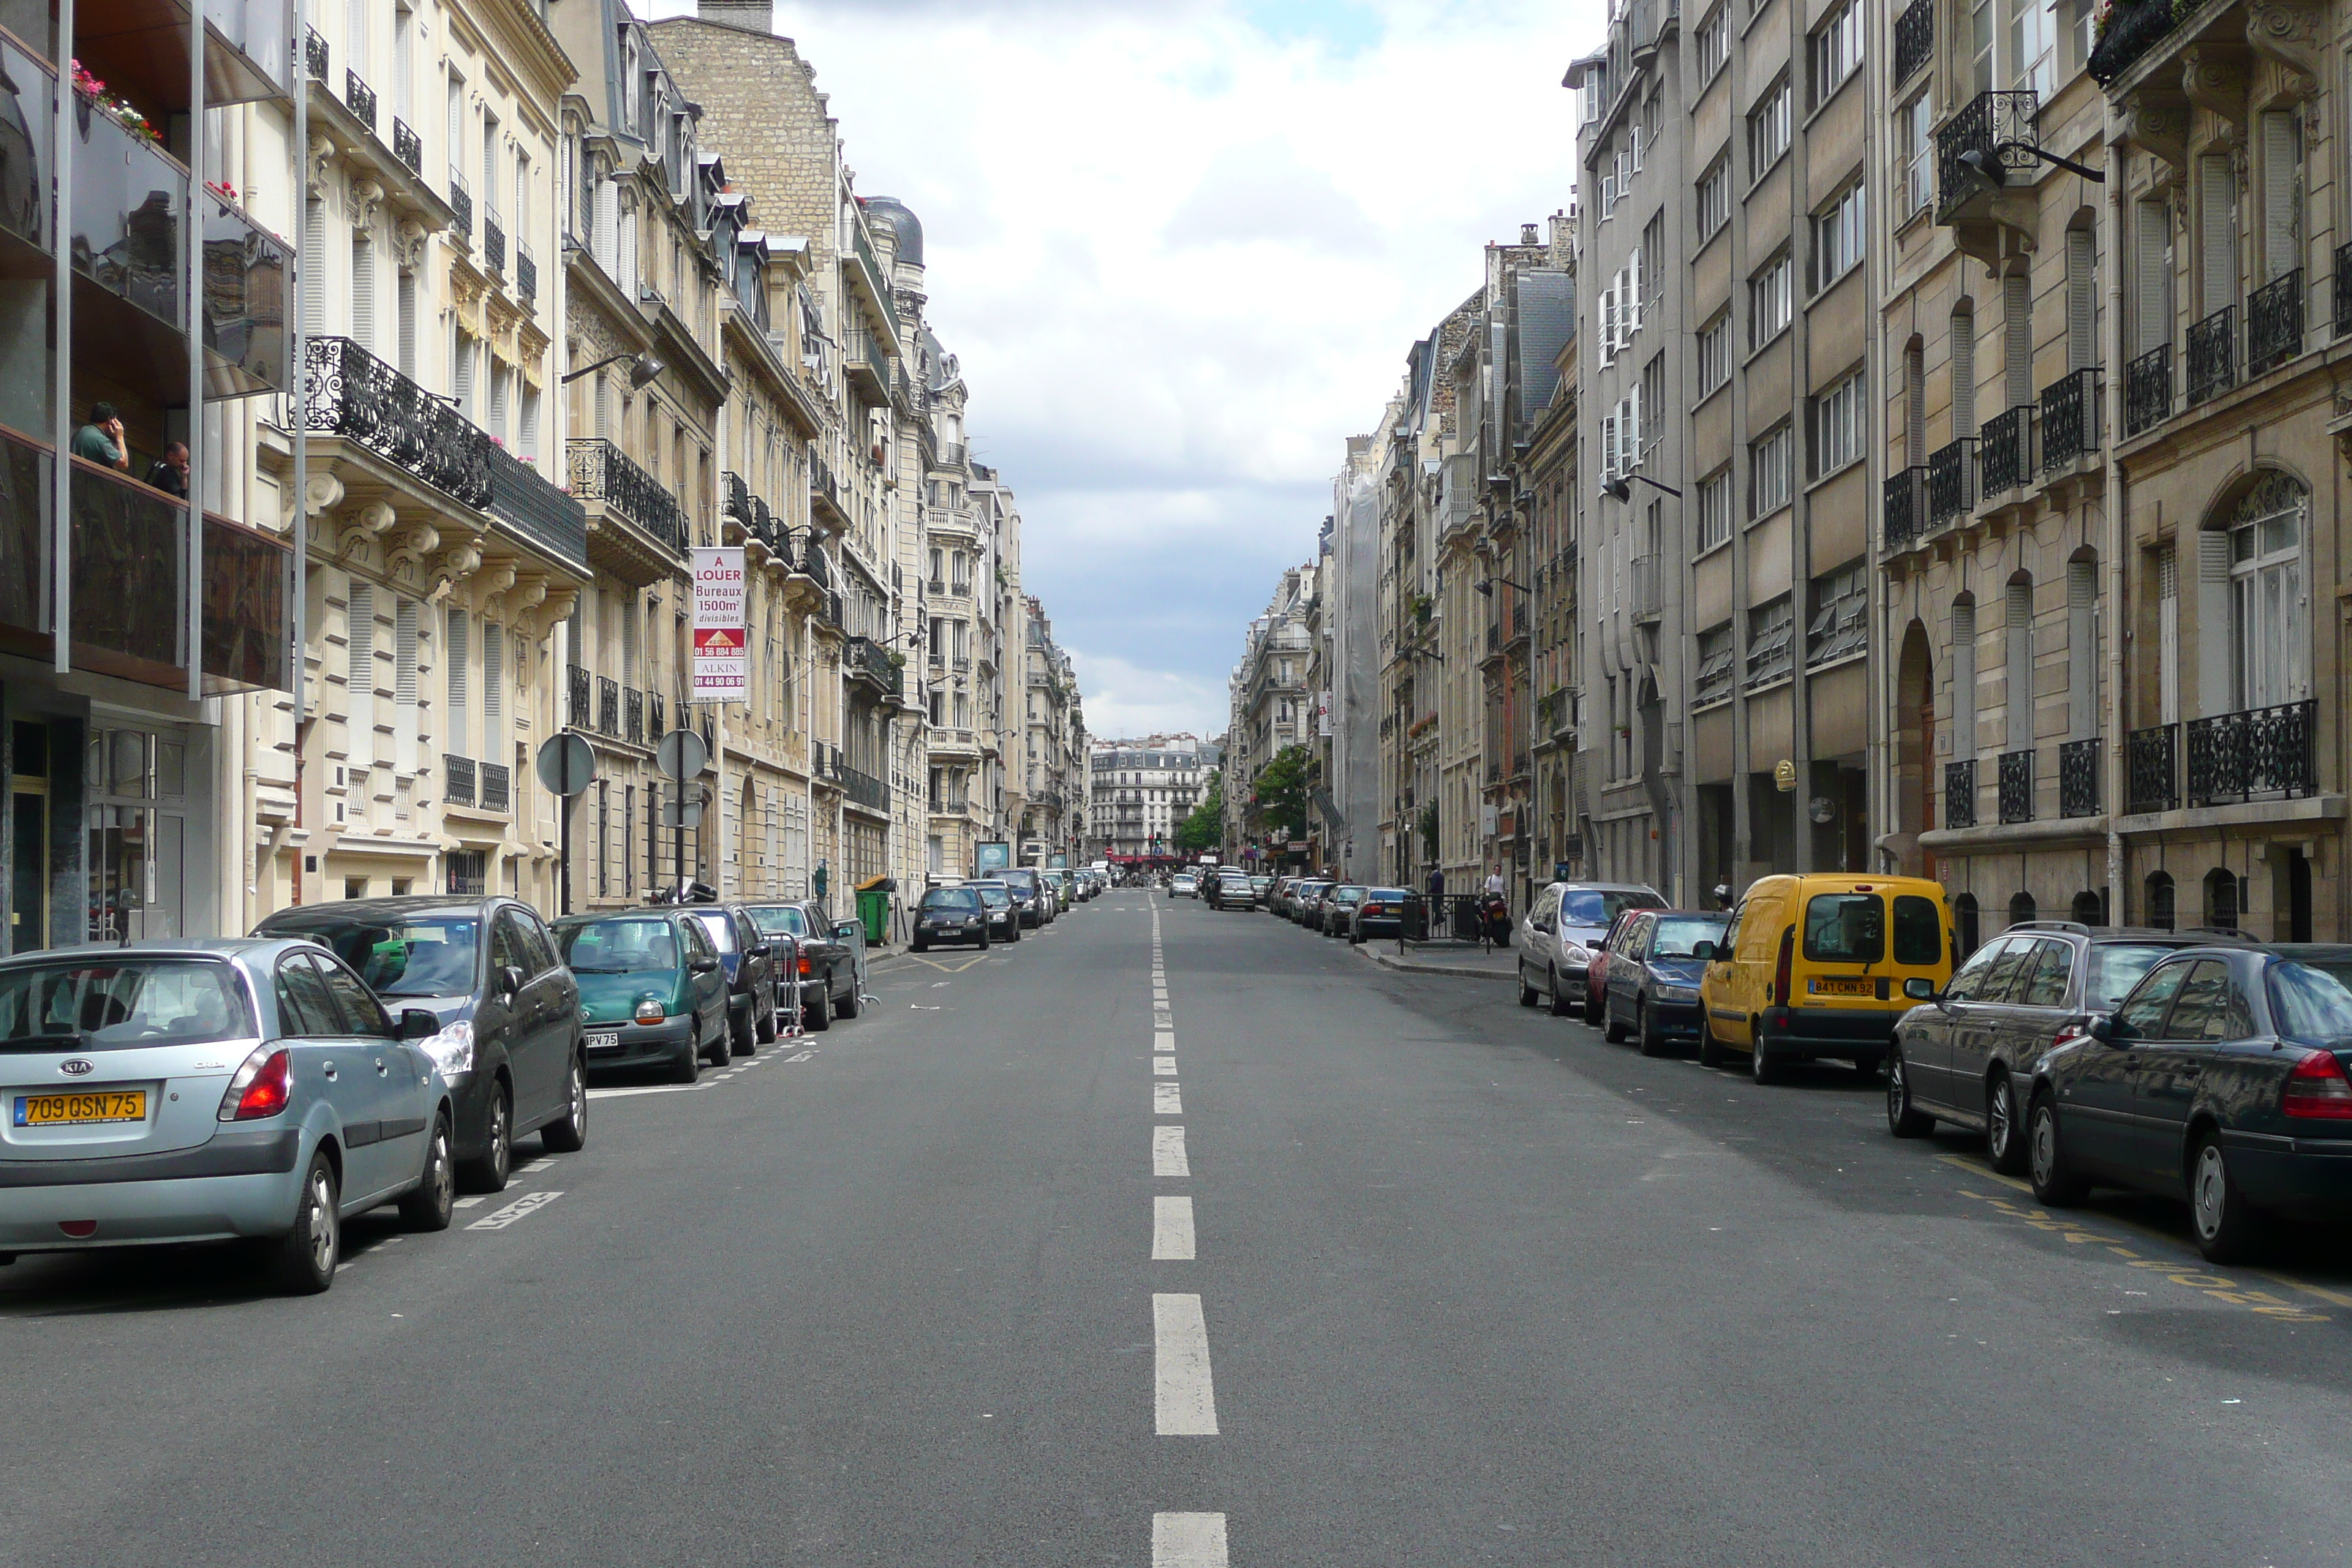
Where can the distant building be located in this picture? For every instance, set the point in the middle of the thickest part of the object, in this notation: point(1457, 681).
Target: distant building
point(1141, 791)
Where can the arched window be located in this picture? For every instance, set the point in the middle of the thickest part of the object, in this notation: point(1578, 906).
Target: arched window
point(2270, 623)
point(2220, 899)
point(1964, 918)
point(2090, 909)
point(2159, 889)
point(2022, 909)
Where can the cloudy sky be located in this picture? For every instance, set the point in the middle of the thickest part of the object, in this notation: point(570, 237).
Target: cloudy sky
point(1180, 248)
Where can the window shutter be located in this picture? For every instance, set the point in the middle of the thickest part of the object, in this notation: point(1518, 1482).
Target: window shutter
point(494, 652)
point(314, 267)
point(2081, 650)
point(364, 293)
point(405, 290)
point(359, 671)
point(1632, 435)
point(2282, 177)
point(1633, 297)
point(2017, 659)
point(2167, 622)
point(1964, 374)
point(2215, 238)
point(404, 684)
point(2152, 236)
point(2215, 630)
point(2082, 300)
point(454, 656)
point(1964, 681)
point(2017, 338)
point(608, 227)
point(1915, 434)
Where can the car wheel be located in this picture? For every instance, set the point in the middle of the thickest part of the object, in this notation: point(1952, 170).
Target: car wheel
point(1645, 1030)
point(984, 941)
point(688, 1068)
point(2055, 1182)
point(487, 1172)
point(1711, 1053)
point(2228, 1229)
point(740, 1036)
point(1762, 1068)
point(849, 1005)
point(1555, 998)
point(2004, 1129)
point(1527, 992)
point(429, 1205)
point(1610, 1030)
point(919, 945)
point(820, 1017)
point(1903, 1119)
point(722, 1049)
point(568, 1134)
point(303, 1263)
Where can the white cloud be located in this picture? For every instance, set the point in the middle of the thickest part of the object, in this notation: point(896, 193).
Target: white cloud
point(1125, 700)
point(1181, 250)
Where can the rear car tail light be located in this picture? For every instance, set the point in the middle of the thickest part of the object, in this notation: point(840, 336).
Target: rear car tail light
point(1781, 971)
point(804, 965)
point(2316, 1088)
point(261, 1087)
point(2072, 1030)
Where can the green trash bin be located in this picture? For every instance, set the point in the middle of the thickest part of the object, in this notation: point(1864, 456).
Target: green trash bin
point(874, 910)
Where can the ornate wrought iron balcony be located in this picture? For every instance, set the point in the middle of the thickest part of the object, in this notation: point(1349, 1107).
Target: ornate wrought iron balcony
point(2017, 785)
point(457, 779)
point(866, 659)
point(2274, 322)
point(2258, 752)
point(2153, 755)
point(601, 472)
point(577, 714)
point(2070, 418)
point(494, 244)
point(1905, 509)
point(2132, 31)
point(526, 273)
point(2005, 449)
point(2213, 355)
point(633, 716)
point(1952, 474)
point(461, 209)
point(2147, 390)
point(407, 145)
point(1998, 125)
point(1960, 794)
point(498, 793)
point(360, 98)
point(2078, 778)
point(314, 54)
point(608, 705)
point(1915, 38)
point(2343, 290)
point(652, 717)
point(862, 787)
point(358, 396)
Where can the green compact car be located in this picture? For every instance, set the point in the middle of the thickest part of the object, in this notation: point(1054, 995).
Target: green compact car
point(652, 993)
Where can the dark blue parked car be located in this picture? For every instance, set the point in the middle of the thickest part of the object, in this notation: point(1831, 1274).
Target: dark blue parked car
point(1654, 975)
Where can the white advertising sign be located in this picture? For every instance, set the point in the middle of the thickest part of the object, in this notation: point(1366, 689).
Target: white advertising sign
point(722, 653)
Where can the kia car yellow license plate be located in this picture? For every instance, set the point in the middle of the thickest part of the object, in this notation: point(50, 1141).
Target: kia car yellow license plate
point(81, 1109)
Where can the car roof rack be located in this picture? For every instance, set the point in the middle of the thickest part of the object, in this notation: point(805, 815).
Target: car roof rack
point(2077, 927)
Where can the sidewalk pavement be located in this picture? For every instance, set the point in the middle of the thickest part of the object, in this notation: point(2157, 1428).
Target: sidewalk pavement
point(1459, 958)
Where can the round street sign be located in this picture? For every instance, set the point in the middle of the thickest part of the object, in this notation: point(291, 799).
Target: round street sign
point(682, 755)
point(565, 765)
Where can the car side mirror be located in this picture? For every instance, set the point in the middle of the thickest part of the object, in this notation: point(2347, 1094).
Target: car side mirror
point(1919, 988)
point(510, 980)
point(2107, 1032)
point(845, 929)
point(763, 951)
point(418, 1023)
point(702, 963)
point(1704, 952)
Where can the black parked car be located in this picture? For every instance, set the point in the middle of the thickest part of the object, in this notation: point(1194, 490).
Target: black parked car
point(2221, 1080)
point(1232, 890)
point(1651, 987)
point(510, 1042)
point(1004, 914)
point(1029, 892)
point(950, 914)
point(829, 976)
point(1339, 908)
point(747, 958)
point(1967, 1056)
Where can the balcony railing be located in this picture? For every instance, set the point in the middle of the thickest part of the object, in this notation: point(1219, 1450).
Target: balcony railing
point(1906, 506)
point(608, 705)
point(633, 716)
point(862, 787)
point(2147, 390)
point(258, 34)
point(2017, 786)
point(314, 54)
point(461, 209)
point(1950, 473)
point(128, 203)
point(541, 513)
point(950, 455)
point(1960, 794)
point(407, 145)
point(1649, 597)
point(2259, 753)
point(494, 244)
point(2078, 778)
point(577, 714)
point(2275, 323)
point(601, 472)
point(2343, 290)
point(245, 293)
point(358, 396)
point(2153, 757)
point(2213, 355)
point(360, 98)
point(1996, 124)
point(2004, 449)
point(867, 658)
point(498, 793)
point(457, 779)
point(526, 273)
point(2070, 419)
point(1915, 38)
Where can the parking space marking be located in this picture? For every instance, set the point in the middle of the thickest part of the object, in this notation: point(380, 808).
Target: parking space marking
point(1183, 1390)
point(650, 1088)
point(1187, 1540)
point(1164, 1067)
point(1166, 1101)
point(1171, 1229)
point(1168, 1154)
point(528, 1203)
point(466, 1202)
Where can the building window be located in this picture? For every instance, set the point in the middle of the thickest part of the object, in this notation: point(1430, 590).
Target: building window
point(1769, 473)
point(1840, 626)
point(1767, 130)
point(1714, 509)
point(2270, 626)
point(1715, 198)
point(1837, 237)
point(1770, 628)
point(1769, 301)
point(1713, 43)
point(1715, 654)
point(2033, 43)
point(1915, 150)
point(1840, 426)
point(1714, 354)
point(1837, 50)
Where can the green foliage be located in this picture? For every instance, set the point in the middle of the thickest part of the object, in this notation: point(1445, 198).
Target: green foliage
point(1278, 794)
point(1205, 829)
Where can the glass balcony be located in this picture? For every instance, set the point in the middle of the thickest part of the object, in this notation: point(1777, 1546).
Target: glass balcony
point(248, 47)
point(246, 274)
point(358, 396)
point(130, 199)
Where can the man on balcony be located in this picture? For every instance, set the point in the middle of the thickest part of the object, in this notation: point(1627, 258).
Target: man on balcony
point(169, 473)
point(102, 441)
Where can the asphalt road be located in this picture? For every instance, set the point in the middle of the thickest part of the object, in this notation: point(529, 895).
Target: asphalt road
point(1456, 1282)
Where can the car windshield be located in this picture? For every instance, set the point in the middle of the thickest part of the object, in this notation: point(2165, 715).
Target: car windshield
point(2311, 1004)
point(2115, 970)
point(994, 898)
point(430, 956)
point(1679, 935)
point(1845, 927)
point(959, 899)
point(721, 929)
point(1386, 895)
point(1596, 907)
point(118, 1004)
point(618, 947)
point(774, 919)
point(1348, 895)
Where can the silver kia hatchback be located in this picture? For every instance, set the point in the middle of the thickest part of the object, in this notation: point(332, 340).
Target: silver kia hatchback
point(250, 1089)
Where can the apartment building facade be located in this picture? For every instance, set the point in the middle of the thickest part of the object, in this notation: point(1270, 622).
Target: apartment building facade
point(1055, 762)
point(1141, 791)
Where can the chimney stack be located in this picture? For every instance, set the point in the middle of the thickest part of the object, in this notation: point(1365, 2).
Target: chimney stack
point(752, 16)
point(1527, 234)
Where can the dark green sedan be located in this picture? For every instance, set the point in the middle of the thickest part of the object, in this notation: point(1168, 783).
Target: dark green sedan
point(652, 993)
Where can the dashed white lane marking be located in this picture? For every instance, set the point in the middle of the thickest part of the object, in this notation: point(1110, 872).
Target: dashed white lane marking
point(1187, 1540)
point(1164, 1067)
point(1172, 1228)
point(650, 1088)
point(1166, 1101)
point(1164, 1039)
point(466, 1202)
point(539, 1165)
point(1168, 1156)
point(1185, 1395)
point(514, 1211)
